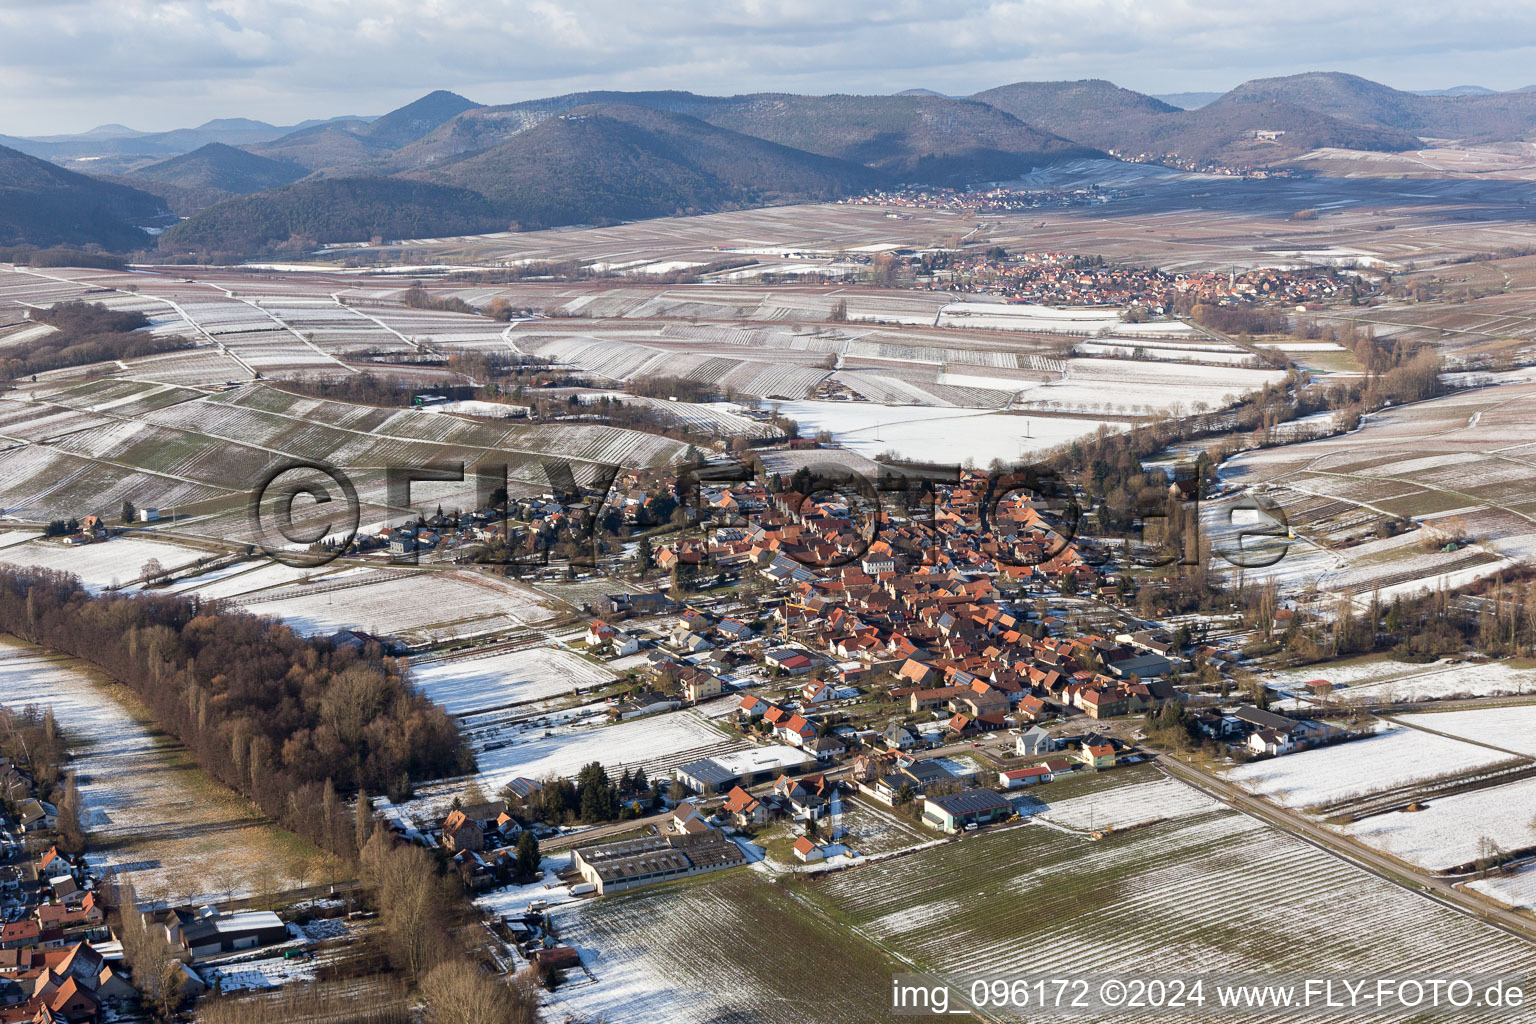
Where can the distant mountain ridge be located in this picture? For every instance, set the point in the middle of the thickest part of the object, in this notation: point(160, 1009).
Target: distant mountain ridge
point(917, 137)
point(1228, 132)
point(610, 162)
point(603, 156)
point(119, 152)
point(1479, 117)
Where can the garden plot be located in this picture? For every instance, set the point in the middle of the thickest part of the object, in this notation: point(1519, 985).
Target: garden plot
point(103, 564)
point(445, 603)
point(152, 815)
point(872, 830)
point(1517, 889)
point(655, 741)
point(258, 975)
point(1510, 728)
point(1452, 830)
point(1395, 757)
point(480, 682)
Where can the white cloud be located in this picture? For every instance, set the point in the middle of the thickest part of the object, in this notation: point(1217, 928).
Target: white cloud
point(69, 64)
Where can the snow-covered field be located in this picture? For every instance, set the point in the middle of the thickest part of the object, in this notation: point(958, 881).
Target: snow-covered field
point(1120, 806)
point(245, 578)
point(1512, 728)
point(938, 435)
point(1020, 316)
point(1396, 680)
point(120, 560)
point(167, 828)
point(1447, 832)
point(1517, 889)
point(473, 683)
point(1391, 758)
point(1053, 900)
point(652, 740)
point(438, 604)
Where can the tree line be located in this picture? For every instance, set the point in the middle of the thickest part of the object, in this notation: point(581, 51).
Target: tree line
point(284, 720)
point(85, 333)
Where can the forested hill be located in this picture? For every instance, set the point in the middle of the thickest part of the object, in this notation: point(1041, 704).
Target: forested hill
point(334, 210)
point(43, 204)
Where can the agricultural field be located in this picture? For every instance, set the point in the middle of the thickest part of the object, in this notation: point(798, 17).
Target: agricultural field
point(562, 744)
point(1139, 796)
point(430, 605)
point(1393, 757)
point(1055, 901)
point(466, 683)
point(927, 434)
point(153, 817)
point(1458, 463)
point(1452, 830)
point(1516, 889)
point(111, 563)
point(87, 446)
point(1379, 679)
point(1509, 728)
point(642, 952)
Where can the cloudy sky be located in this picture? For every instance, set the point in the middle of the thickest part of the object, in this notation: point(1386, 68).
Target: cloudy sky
point(68, 65)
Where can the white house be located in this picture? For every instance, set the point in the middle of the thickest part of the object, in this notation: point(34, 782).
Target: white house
point(1033, 742)
point(1021, 777)
point(817, 692)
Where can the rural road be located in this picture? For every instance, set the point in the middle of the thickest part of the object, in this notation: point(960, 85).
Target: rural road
point(1363, 857)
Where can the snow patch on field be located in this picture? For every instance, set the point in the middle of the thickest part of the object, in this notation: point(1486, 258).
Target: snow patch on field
point(437, 605)
point(1395, 680)
point(938, 435)
point(172, 833)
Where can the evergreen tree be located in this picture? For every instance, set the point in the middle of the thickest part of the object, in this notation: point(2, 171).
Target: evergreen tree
point(526, 866)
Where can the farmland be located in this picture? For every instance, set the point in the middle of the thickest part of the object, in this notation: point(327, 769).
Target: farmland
point(119, 561)
point(1394, 757)
point(433, 605)
point(1516, 889)
point(475, 682)
point(538, 748)
point(1039, 896)
point(1031, 894)
point(644, 947)
point(151, 814)
point(1452, 831)
point(1377, 679)
point(1511, 728)
point(1459, 460)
